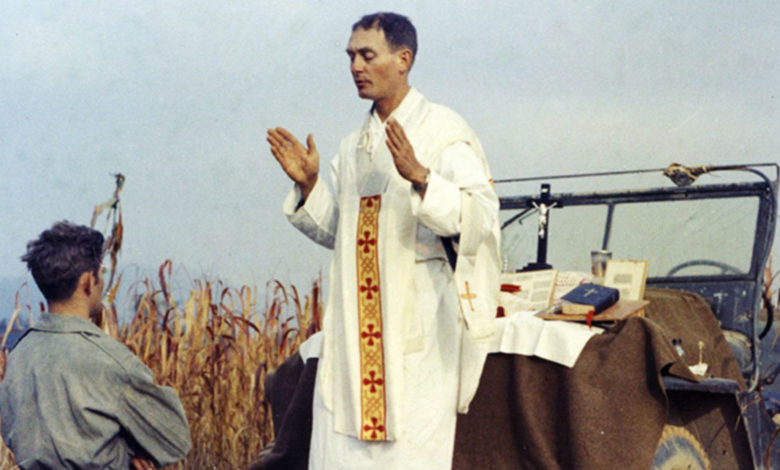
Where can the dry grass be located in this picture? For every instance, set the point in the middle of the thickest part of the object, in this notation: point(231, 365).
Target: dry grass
point(215, 348)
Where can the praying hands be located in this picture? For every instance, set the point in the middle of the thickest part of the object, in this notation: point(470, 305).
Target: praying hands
point(403, 156)
point(302, 164)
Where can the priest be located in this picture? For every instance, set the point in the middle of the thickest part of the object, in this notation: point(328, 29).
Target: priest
point(408, 322)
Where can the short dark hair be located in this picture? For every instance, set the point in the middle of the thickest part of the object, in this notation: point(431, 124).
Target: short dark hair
point(61, 255)
point(399, 31)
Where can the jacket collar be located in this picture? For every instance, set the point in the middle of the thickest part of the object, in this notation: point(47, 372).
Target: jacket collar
point(57, 323)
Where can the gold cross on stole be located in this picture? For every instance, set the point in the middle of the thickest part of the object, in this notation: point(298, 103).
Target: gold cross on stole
point(469, 296)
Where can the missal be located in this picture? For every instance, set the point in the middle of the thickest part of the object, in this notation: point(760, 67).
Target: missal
point(589, 298)
point(620, 311)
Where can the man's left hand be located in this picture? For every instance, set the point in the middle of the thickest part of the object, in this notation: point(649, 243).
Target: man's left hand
point(403, 154)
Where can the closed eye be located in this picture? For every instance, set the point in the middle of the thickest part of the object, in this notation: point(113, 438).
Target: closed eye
point(366, 53)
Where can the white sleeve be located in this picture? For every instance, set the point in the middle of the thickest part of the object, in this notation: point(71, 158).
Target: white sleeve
point(456, 167)
point(318, 216)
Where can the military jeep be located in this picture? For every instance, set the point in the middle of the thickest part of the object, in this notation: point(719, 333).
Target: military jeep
point(706, 230)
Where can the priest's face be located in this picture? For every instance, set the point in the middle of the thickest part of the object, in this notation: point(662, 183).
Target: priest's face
point(379, 72)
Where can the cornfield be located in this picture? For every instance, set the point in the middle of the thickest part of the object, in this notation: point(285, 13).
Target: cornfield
point(215, 349)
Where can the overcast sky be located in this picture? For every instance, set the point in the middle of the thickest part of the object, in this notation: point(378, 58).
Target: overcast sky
point(177, 96)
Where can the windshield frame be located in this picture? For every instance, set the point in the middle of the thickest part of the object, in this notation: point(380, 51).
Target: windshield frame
point(763, 232)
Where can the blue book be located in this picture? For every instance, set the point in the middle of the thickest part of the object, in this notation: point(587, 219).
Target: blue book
point(589, 298)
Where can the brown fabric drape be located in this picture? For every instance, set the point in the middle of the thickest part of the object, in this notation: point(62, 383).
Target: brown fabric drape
point(607, 411)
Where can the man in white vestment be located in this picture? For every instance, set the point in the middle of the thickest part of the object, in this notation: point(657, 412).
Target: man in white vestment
point(404, 337)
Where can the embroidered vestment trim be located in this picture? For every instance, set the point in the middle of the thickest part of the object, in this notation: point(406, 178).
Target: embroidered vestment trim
point(372, 365)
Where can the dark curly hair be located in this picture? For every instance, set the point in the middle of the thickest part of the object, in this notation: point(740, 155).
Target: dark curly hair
point(61, 255)
point(399, 31)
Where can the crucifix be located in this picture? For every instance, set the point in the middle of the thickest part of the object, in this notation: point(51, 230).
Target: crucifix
point(543, 210)
point(543, 204)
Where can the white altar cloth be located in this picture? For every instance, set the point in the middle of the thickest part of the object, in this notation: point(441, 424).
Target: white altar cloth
point(518, 333)
point(557, 341)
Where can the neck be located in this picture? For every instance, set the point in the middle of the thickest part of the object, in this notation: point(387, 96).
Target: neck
point(385, 106)
point(69, 307)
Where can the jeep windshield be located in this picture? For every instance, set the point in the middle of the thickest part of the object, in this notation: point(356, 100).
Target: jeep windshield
point(678, 237)
point(701, 230)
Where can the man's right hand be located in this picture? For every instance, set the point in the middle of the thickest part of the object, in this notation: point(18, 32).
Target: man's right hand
point(301, 164)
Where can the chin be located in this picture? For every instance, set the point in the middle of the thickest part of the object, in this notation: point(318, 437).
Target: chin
point(365, 94)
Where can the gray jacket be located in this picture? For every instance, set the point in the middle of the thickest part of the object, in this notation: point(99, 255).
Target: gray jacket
point(72, 397)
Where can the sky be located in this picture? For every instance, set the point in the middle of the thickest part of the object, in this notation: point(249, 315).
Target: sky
point(178, 95)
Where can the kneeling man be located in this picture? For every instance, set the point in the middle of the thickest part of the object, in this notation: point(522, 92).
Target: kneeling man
point(72, 397)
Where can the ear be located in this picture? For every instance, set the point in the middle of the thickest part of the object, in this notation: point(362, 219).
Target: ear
point(405, 58)
point(86, 283)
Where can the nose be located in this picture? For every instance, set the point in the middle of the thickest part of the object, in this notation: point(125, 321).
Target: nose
point(356, 65)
